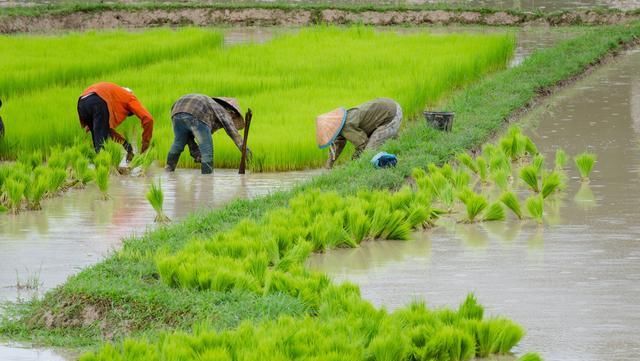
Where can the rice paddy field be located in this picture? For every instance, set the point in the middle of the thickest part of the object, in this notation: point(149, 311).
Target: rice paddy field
point(286, 82)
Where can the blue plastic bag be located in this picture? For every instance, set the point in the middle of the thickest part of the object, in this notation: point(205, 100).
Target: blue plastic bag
point(384, 160)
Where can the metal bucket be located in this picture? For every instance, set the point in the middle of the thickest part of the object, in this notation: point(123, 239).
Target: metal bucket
point(440, 120)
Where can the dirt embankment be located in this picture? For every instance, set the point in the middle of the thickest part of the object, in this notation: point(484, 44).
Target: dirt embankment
point(138, 18)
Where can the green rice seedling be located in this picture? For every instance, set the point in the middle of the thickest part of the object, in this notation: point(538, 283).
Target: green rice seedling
point(530, 356)
point(14, 190)
point(535, 206)
point(466, 160)
point(447, 171)
point(143, 161)
point(538, 163)
point(450, 343)
point(561, 159)
point(37, 190)
point(550, 183)
point(82, 172)
point(501, 179)
point(57, 180)
point(475, 204)
point(102, 180)
point(530, 176)
point(514, 144)
point(155, 196)
point(488, 149)
point(483, 169)
point(460, 179)
point(418, 216)
point(511, 201)
point(495, 212)
point(56, 159)
point(499, 161)
point(585, 162)
point(530, 147)
point(470, 309)
point(115, 151)
point(418, 174)
point(102, 159)
point(357, 224)
point(31, 160)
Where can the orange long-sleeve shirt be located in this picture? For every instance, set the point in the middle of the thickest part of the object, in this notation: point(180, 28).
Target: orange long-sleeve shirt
point(122, 103)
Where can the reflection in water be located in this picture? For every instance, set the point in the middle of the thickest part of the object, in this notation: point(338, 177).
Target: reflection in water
point(79, 228)
point(572, 283)
point(28, 354)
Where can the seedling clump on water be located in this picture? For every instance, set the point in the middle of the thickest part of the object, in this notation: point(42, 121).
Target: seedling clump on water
point(155, 196)
point(102, 180)
point(585, 162)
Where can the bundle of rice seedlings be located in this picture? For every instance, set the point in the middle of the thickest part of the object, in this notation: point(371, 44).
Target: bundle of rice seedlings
point(495, 212)
point(37, 190)
point(550, 183)
point(530, 147)
point(538, 163)
point(470, 309)
point(501, 179)
point(449, 343)
point(418, 216)
point(102, 159)
point(535, 206)
point(357, 224)
point(115, 152)
point(585, 162)
point(529, 175)
point(499, 161)
point(475, 204)
point(511, 201)
point(488, 149)
point(143, 161)
point(30, 160)
point(56, 159)
point(82, 172)
point(467, 161)
point(483, 169)
point(460, 179)
point(447, 171)
point(102, 180)
point(57, 179)
point(561, 159)
point(14, 191)
point(155, 196)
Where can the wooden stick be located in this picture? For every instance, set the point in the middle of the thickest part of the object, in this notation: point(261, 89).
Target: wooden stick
point(243, 160)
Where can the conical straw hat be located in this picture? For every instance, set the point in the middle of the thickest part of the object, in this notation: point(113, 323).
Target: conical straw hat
point(329, 125)
point(232, 105)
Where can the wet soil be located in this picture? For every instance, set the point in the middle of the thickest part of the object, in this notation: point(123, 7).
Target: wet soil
point(142, 18)
point(571, 283)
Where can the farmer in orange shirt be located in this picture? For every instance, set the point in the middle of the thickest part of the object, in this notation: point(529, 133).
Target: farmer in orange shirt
point(104, 106)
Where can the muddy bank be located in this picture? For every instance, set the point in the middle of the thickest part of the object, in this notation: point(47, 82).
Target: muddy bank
point(139, 18)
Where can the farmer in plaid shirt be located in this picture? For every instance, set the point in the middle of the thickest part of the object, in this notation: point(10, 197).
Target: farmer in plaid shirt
point(198, 116)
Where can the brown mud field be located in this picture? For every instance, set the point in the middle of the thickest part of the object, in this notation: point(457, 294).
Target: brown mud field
point(142, 18)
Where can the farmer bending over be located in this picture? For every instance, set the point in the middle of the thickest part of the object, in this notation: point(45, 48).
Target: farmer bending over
point(367, 126)
point(104, 106)
point(198, 116)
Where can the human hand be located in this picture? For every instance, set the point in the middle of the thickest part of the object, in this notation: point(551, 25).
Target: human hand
point(129, 156)
point(145, 146)
point(87, 129)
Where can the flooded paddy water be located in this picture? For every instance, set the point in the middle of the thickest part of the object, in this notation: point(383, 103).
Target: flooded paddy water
point(572, 283)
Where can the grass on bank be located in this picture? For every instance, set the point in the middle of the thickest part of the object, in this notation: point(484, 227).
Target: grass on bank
point(132, 299)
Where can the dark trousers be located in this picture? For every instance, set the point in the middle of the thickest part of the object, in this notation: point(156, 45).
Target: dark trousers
point(94, 113)
point(1, 128)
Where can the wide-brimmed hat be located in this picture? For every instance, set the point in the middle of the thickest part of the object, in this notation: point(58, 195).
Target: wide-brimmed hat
point(231, 104)
point(329, 125)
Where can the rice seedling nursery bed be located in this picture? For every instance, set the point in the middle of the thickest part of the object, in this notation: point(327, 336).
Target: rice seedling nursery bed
point(286, 82)
point(145, 289)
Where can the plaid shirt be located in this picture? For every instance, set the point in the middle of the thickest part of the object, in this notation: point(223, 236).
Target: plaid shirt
point(208, 111)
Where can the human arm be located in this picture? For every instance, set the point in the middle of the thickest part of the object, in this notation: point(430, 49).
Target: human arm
point(230, 128)
point(335, 150)
point(356, 136)
point(146, 120)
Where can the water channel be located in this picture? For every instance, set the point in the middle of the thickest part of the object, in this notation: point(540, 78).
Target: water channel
point(572, 283)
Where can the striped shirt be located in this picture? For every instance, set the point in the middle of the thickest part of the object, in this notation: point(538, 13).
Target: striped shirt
point(208, 111)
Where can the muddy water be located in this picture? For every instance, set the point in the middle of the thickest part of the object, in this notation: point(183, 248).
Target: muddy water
point(572, 283)
point(39, 250)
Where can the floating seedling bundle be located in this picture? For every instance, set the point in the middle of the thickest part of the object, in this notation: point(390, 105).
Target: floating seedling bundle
point(155, 196)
